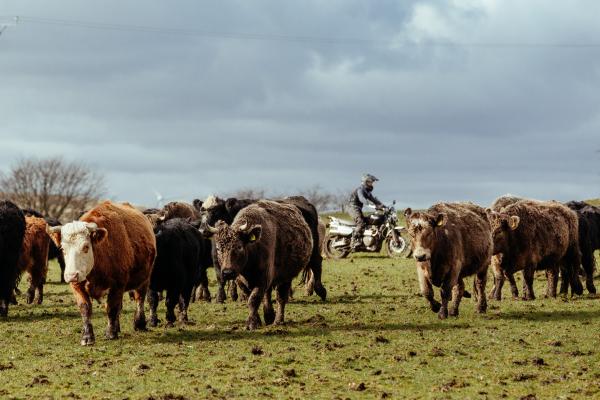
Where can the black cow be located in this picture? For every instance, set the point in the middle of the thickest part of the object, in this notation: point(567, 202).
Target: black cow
point(589, 238)
point(183, 256)
point(54, 252)
point(12, 231)
point(215, 209)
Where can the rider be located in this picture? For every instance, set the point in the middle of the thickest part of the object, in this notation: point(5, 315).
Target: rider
point(361, 195)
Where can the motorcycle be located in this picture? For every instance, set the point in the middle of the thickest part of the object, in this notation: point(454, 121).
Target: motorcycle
point(381, 230)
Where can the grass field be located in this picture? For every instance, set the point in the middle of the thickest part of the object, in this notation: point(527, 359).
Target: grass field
point(374, 338)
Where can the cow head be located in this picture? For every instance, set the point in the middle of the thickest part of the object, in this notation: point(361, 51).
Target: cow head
point(422, 228)
point(502, 226)
point(233, 244)
point(215, 209)
point(77, 241)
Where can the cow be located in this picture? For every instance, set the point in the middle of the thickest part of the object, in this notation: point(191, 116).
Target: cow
point(268, 244)
point(174, 209)
point(215, 209)
point(109, 250)
point(451, 241)
point(183, 255)
point(589, 238)
point(33, 258)
point(54, 252)
point(535, 235)
point(12, 232)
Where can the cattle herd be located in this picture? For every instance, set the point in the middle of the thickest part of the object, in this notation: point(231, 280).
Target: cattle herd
point(259, 246)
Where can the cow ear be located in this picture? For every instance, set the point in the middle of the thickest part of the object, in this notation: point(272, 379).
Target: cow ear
point(230, 204)
point(513, 222)
point(441, 219)
point(54, 233)
point(99, 235)
point(408, 212)
point(252, 235)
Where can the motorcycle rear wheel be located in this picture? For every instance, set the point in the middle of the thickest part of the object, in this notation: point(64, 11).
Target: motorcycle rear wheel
point(335, 253)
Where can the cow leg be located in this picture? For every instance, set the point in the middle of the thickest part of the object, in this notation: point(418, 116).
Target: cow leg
point(114, 304)
point(139, 319)
point(552, 282)
point(317, 269)
point(256, 296)
point(514, 290)
point(457, 293)
point(446, 294)
point(528, 275)
point(499, 278)
point(61, 263)
point(244, 290)
point(171, 301)
point(268, 312)
point(427, 290)
point(153, 303)
point(184, 303)
point(588, 261)
point(309, 285)
point(85, 309)
point(479, 283)
point(282, 298)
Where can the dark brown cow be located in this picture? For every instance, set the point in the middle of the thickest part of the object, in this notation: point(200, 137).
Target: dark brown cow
point(111, 249)
point(34, 257)
point(535, 235)
point(451, 241)
point(268, 245)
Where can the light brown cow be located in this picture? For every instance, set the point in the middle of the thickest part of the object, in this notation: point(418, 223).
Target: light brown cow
point(451, 241)
point(110, 250)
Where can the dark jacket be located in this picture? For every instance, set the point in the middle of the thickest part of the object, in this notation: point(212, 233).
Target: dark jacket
point(362, 195)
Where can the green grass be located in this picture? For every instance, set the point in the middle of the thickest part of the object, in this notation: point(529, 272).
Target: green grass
point(375, 333)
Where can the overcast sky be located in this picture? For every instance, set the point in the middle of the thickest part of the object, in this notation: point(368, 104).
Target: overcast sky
point(442, 100)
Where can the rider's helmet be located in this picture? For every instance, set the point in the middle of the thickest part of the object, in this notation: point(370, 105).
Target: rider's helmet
point(368, 180)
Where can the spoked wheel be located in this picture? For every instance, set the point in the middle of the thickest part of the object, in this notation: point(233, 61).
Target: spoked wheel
point(396, 249)
point(336, 253)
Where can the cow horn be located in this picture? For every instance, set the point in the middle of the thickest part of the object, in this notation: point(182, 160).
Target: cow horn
point(53, 229)
point(211, 229)
point(244, 227)
point(92, 227)
point(162, 218)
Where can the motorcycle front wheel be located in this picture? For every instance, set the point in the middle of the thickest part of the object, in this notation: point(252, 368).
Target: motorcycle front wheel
point(335, 252)
point(396, 249)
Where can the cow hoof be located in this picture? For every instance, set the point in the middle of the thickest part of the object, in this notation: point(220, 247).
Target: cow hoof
point(443, 314)
point(253, 323)
point(278, 322)
point(321, 292)
point(140, 325)
point(435, 306)
point(112, 335)
point(481, 310)
point(453, 313)
point(154, 322)
point(269, 317)
point(170, 324)
point(88, 341)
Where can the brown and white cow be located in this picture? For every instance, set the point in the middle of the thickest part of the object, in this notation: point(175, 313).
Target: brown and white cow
point(451, 241)
point(110, 250)
point(34, 257)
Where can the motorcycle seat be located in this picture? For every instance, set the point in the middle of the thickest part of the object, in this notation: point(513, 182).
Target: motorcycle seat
point(345, 222)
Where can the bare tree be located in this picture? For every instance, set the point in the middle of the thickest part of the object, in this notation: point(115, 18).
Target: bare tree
point(319, 197)
point(53, 186)
point(249, 193)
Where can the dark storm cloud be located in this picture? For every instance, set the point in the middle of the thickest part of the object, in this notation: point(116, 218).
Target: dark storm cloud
point(511, 105)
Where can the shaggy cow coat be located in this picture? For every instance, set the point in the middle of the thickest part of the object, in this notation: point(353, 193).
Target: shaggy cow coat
point(534, 235)
point(589, 238)
point(268, 244)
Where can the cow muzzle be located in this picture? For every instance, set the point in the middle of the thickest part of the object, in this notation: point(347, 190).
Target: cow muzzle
point(72, 278)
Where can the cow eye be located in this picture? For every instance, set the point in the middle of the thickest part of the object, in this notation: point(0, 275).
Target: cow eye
point(86, 248)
